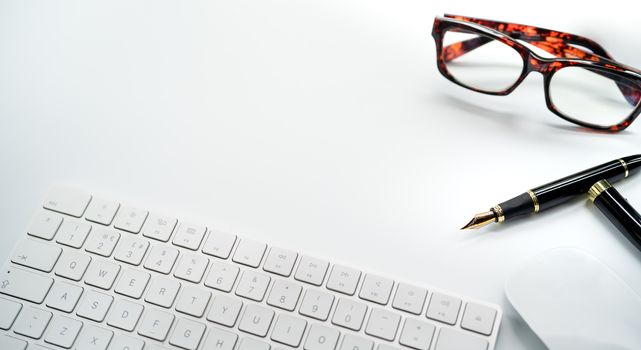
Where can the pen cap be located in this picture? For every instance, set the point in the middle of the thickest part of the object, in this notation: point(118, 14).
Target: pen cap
point(617, 209)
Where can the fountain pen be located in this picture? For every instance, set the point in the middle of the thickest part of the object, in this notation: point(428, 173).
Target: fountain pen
point(557, 192)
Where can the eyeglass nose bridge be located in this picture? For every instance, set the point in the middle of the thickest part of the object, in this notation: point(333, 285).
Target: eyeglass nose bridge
point(541, 65)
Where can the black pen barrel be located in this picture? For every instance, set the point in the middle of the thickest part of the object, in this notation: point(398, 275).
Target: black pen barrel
point(562, 190)
point(617, 209)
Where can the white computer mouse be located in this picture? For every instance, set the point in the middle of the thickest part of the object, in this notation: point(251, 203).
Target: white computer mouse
point(571, 300)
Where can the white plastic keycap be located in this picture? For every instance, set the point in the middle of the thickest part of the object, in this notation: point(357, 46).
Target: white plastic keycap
point(10, 310)
point(452, 339)
point(63, 331)
point(159, 227)
point(36, 255)
point(219, 244)
point(24, 285)
point(94, 338)
point(32, 322)
point(101, 211)
point(249, 253)
point(67, 200)
point(130, 219)
point(44, 225)
point(63, 296)
point(10, 343)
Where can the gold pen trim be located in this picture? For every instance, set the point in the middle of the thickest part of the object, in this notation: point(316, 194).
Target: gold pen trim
point(534, 200)
point(597, 189)
point(625, 167)
point(500, 217)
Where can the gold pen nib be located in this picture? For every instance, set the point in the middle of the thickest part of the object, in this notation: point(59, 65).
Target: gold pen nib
point(480, 220)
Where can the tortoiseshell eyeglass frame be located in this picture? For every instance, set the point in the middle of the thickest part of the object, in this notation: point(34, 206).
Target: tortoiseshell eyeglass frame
point(564, 46)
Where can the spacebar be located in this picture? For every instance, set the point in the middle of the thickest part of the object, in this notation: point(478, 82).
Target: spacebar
point(24, 285)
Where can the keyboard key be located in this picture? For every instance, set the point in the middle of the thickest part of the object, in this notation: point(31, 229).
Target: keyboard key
point(280, 261)
point(349, 314)
point(125, 315)
point(155, 347)
point(101, 211)
point(222, 276)
point(289, 330)
point(161, 258)
point(251, 344)
point(73, 233)
point(131, 250)
point(311, 270)
point(191, 267)
point(452, 339)
point(409, 298)
point(383, 324)
point(10, 310)
point(67, 201)
point(39, 347)
point(64, 296)
point(32, 322)
point(102, 274)
point(63, 331)
point(386, 347)
point(224, 310)
point(284, 295)
point(130, 219)
point(156, 324)
point(159, 227)
point(351, 342)
point(444, 308)
point(478, 318)
point(187, 334)
point(316, 304)
point(162, 291)
point(253, 285)
point(36, 255)
point(219, 244)
point(193, 301)
point(102, 241)
point(44, 225)
point(219, 339)
point(94, 306)
point(72, 265)
point(189, 236)
point(417, 334)
point(343, 279)
point(11, 343)
point(376, 289)
point(94, 338)
point(321, 338)
point(249, 253)
point(132, 283)
point(256, 320)
point(125, 342)
point(25, 285)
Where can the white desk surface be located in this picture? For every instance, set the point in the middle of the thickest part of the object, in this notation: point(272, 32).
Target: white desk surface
point(323, 126)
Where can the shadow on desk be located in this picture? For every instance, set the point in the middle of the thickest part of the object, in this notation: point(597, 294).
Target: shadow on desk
point(515, 120)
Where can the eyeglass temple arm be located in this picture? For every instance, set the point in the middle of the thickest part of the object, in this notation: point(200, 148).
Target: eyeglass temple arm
point(553, 42)
point(531, 33)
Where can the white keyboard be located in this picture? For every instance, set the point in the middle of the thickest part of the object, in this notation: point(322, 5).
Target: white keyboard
point(93, 274)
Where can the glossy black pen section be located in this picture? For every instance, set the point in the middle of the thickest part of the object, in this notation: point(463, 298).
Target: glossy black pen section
point(557, 192)
point(617, 209)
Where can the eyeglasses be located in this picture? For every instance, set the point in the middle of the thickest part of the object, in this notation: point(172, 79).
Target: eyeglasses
point(583, 84)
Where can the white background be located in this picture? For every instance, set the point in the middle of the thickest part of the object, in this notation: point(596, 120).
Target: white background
point(322, 126)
